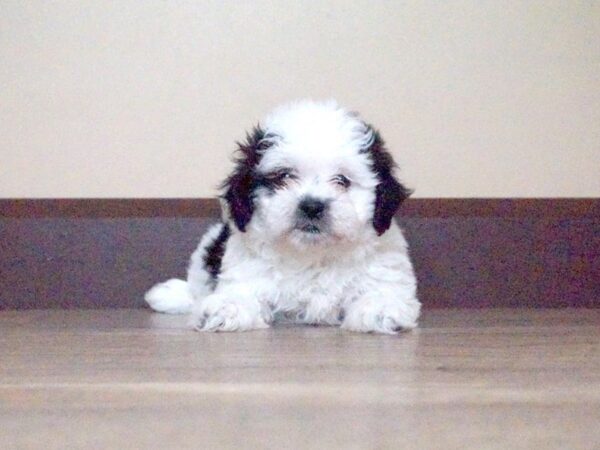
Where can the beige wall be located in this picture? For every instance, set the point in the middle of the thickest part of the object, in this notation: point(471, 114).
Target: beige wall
point(145, 98)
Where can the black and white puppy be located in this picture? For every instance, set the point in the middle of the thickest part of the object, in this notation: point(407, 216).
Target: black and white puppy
point(307, 232)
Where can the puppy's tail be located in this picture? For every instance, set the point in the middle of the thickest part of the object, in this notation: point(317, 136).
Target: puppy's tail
point(179, 296)
point(170, 297)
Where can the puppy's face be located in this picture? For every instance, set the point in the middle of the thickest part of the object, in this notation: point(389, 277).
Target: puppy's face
point(309, 193)
point(314, 176)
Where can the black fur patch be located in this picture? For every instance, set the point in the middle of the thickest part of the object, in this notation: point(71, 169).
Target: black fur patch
point(215, 251)
point(239, 187)
point(389, 193)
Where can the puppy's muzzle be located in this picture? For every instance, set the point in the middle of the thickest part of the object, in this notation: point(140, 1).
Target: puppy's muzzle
point(312, 208)
point(311, 214)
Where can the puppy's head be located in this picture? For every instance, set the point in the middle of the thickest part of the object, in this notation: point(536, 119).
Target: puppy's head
point(314, 174)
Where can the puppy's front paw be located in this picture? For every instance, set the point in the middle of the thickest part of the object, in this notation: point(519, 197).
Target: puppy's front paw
point(388, 318)
point(217, 314)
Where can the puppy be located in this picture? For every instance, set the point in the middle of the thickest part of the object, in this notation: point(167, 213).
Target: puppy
point(307, 232)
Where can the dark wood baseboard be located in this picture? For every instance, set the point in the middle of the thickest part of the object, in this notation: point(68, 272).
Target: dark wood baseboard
point(104, 253)
point(208, 207)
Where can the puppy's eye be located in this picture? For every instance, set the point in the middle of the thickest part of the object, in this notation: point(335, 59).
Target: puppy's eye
point(342, 181)
point(280, 177)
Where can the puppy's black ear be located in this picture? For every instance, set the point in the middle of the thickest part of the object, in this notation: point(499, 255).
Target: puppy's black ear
point(389, 192)
point(238, 188)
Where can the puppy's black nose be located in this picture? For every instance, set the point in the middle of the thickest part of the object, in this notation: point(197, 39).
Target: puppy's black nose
point(312, 208)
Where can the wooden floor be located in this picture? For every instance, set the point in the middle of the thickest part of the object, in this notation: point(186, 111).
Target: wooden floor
point(479, 379)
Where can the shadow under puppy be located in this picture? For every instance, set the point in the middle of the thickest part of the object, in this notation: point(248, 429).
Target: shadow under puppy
point(307, 232)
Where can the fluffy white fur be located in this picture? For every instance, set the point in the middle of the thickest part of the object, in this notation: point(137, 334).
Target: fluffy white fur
point(276, 266)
